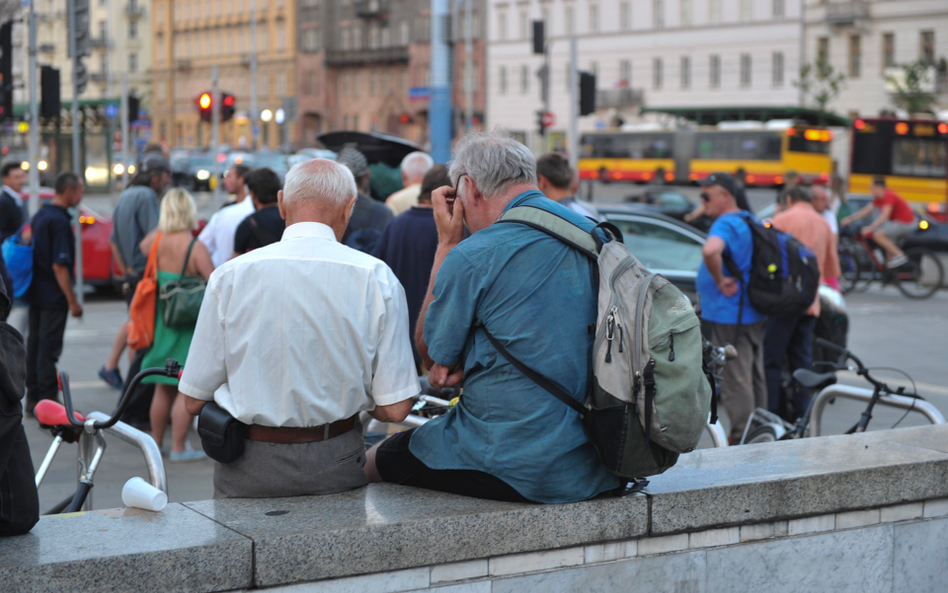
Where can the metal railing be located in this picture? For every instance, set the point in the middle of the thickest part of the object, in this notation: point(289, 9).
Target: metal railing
point(864, 395)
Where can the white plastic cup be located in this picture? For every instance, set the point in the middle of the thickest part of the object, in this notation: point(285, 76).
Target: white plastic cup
point(139, 493)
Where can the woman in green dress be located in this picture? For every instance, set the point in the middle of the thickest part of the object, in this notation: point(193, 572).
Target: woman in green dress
point(177, 218)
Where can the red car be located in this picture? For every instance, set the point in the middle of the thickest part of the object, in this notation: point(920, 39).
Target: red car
point(98, 269)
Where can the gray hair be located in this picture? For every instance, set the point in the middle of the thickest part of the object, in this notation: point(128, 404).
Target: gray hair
point(416, 164)
point(319, 179)
point(494, 160)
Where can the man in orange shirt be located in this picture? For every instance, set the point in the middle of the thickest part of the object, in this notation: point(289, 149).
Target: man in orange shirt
point(793, 336)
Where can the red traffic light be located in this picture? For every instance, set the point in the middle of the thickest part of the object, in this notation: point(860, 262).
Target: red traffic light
point(404, 118)
point(229, 100)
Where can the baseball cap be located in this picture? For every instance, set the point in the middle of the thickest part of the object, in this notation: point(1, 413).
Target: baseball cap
point(355, 160)
point(722, 179)
point(154, 161)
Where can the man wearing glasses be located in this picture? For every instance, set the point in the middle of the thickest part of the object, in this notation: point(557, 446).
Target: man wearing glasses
point(507, 439)
point(726, 313)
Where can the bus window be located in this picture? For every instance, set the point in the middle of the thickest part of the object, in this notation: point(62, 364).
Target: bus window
point(917, 157)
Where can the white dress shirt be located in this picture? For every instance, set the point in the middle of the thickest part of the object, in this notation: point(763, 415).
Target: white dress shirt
point(218, 235)
point(300, 333)
point(830, 217)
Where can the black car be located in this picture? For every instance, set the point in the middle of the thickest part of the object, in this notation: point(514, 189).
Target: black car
point(669, 202)
point(192, 169)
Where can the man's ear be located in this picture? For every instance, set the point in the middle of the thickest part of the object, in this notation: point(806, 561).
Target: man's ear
point(542, 183)
point(280, 204)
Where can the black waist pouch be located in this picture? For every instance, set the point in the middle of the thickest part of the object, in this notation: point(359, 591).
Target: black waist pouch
point(222, 436)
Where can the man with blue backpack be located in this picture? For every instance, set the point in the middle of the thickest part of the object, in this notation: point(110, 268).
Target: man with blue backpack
point(726, 311)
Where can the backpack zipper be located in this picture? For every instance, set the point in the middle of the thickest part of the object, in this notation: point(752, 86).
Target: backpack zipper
point(610, 334)
point(671, 351)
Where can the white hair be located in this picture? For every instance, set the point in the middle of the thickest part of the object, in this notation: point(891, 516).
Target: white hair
point(416, 164)
point(319, 179)
point(494, 160)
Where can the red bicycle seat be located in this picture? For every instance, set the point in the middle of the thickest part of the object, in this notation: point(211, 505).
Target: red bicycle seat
point(53, 413)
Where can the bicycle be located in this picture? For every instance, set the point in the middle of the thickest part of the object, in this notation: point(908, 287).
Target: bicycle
point(429, 404)
point(66, 425)
point(919, 278)
point(771, 427)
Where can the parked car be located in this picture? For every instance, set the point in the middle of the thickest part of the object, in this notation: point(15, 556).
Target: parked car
point(669, 202)
point(98, 268)
point(192, 169)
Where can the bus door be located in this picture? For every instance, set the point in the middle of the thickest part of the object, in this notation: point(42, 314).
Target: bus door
point(684, 149)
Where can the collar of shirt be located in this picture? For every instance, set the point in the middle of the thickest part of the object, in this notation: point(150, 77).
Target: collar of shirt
point(520, 198)
point(13, 194)
point(803, 206)
point(317, 230)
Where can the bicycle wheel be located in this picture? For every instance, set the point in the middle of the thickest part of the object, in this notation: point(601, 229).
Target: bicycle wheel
point(766, 433)
point(849, 268)
point(922, 275)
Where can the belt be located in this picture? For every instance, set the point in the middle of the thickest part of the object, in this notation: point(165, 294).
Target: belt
point(309, 434)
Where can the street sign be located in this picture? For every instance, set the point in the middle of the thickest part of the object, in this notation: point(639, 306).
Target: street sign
point(418, 92)
point(111, 110)
point(548, 119)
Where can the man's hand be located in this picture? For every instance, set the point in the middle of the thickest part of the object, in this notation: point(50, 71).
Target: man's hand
point(440, 377)
point(727, 286)
point(865, 231)
point(75, 309)
point(448, 215)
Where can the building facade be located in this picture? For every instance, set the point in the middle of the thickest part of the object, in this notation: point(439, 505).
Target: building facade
point(868, 42)
point(191, 36)
point(365, 65)
point(644, 53)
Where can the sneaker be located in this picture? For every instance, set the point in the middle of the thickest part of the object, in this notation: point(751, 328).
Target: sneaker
point(112, 377)
point(182, 456)
point(896, 262)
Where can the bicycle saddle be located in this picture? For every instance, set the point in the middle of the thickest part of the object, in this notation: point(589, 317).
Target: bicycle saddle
point(812, 380)
point(53, 413)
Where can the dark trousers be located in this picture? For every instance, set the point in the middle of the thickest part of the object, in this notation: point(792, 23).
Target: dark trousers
point(43, 348)
point(791, 337)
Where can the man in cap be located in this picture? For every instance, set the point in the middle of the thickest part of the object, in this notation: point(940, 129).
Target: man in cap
point(369, 217)
point(726, 312)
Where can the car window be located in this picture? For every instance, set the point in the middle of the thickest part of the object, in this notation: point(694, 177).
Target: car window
point(671, 199)
point(659, 247)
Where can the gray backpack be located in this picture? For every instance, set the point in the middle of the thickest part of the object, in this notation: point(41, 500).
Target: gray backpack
point(650, 395)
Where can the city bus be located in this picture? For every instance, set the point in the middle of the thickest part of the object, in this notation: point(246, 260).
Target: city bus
point(911, 154)
point(759, 154)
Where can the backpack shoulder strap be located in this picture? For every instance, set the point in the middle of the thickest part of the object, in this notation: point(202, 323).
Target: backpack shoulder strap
point(553, 225)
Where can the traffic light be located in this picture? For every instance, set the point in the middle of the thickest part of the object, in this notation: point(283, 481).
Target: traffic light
point(204, 107)
point(49, 95)
point(541, 129)
point(539, 42)
point(133, 107)
point(227, 106)
point(6, 70)
point(587, 93)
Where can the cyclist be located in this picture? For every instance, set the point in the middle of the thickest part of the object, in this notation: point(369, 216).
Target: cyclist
point(894, 222)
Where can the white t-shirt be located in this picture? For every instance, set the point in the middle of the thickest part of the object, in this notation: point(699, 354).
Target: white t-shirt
point(218, 235)
point(830, 217)
point(302, 332)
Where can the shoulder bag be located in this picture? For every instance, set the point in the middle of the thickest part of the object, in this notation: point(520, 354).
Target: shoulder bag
point(141, 313)
point(182, 297)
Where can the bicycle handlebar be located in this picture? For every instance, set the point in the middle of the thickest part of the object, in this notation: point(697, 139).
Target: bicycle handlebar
point(172, 369)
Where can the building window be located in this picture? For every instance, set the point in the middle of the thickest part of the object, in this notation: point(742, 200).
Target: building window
point(502, 26)
point(593, 18)
point(855, 56)
point(658, 13)
point(625, 73)
point(745, 69)
point(568, 20)
point(714, 72)
point(524, 25)
point(927, 50)
point(625, 16)
point(103, 30)
point(657, 73)
point(685, 72)
point(104, 64)
point(685, 13)
point(133, 29)
point(502, 82)
point(524, 79)
point(888, 50)
point(778, 9)
point(822, 49)
point(132, 63)
point(403, 33)
point(714, 11)
point(281, 36)
point(747, 10)
point(778, 68)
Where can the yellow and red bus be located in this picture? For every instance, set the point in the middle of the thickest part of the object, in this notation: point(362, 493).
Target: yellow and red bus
point(758, 154)
point(911, 154)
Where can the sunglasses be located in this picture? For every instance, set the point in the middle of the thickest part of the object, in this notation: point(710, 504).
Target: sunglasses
point(458, 182)
point(705, 197)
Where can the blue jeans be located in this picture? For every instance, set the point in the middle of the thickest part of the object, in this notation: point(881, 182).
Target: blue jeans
point(793, 337)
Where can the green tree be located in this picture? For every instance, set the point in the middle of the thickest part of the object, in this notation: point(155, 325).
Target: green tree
point(910, 93)
point(820, 82)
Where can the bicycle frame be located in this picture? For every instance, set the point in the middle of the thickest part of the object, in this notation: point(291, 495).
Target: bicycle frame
point(866, 395)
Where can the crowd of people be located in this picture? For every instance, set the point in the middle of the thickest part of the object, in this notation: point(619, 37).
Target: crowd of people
point(322, 302)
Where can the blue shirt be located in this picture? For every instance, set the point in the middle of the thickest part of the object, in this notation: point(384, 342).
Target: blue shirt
point(535, 294)
point(53, 243)
point(716, 307)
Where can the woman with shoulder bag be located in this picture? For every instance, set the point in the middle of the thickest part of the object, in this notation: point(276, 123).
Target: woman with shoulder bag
point(183, 267)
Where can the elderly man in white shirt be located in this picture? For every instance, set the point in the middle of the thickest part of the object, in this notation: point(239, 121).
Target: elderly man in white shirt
point(218, 235)
point(295, 339)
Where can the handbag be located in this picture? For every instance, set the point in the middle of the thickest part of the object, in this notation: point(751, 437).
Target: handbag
point(19, 260)
point(183, 297)
point(141, 313)
point(222, 435)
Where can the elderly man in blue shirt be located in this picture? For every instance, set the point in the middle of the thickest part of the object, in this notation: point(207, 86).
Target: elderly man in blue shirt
point(507, 439)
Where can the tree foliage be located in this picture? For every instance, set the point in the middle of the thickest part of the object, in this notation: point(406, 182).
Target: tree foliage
point(910, 88)
point(820, 82)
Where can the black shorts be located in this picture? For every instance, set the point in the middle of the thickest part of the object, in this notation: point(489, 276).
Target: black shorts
point(397, 465)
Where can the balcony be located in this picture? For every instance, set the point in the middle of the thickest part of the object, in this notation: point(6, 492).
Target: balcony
point(99, 77)
point(846, 13)
point(182, 64)
point(618, 98)
point(47, 48)
point(134, 10)
point(100, 42)
point(372, 9)
point(363, 57)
